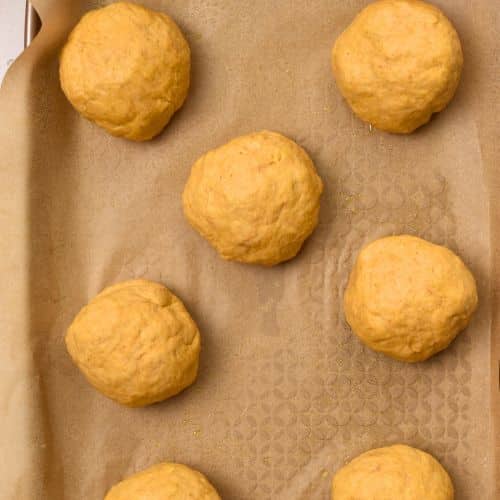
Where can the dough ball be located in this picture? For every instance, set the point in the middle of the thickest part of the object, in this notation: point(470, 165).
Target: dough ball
point(398, 63)
point(164, 482)
point(394, 473)
point(255, 199)
point(409, 298)
point(126, 68)
point(136, 343)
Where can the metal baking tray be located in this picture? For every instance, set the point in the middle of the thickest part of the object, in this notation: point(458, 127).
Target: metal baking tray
point(32, 24)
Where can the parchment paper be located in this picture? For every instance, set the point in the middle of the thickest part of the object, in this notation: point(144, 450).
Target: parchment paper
point(285, 394)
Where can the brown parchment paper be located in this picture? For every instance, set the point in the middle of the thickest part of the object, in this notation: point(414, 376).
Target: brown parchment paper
point(285, 394)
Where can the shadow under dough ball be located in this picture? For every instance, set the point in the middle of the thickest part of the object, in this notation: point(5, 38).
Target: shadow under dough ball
point(136, 343)
point(396, 472)
point(126, 68)
point(409, 298)
point(255, 199)
point(398, 63)
point(164, 481)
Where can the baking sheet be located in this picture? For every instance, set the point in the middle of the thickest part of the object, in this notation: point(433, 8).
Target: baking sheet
point(285, 393)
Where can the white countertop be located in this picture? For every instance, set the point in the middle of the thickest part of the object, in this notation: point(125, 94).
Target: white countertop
point(12, 14)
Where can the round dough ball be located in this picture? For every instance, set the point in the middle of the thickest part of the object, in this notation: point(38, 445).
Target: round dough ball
point(255, 199)
point(398, 63)
point(126, 68)
point(409, 298)
point(393, 473)
point(136, 343)
point(164, 482)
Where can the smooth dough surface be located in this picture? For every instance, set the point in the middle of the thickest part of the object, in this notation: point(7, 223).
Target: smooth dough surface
point(166, 481)
point(126, 68)
point(398, 63)
point(409, 298)
point(396, 472)
point(136, 343)
point(255, 199)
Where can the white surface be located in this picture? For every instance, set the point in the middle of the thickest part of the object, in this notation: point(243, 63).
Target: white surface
point(12, 14)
